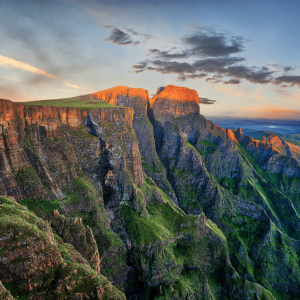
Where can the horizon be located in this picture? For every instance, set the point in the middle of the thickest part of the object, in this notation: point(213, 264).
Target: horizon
point(241, 58)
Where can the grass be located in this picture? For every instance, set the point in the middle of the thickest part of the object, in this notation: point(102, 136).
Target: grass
point(40, 207)
point(208, 144)
point(84, 104)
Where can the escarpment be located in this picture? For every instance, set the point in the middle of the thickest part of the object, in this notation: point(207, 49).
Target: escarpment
point(139, 100)
point(121, 196)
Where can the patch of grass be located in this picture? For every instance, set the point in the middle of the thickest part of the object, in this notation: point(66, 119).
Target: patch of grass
point(41, 207)
point(215, 228)
point(190, 145)
point(208, 144)
point(84, 104)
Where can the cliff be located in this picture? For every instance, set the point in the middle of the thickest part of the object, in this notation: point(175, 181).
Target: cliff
point(192, 149)
point(172, 100)
point(138, 99)
point(145, 192)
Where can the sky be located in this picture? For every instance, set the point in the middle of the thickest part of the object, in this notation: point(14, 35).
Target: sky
point(242, 57)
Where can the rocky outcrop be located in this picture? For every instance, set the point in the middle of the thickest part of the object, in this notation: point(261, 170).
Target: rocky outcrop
point(270, 154)
point(276, 161)
point(173, 100)
point(73, 232)
point(177, 105)
point(36, 264)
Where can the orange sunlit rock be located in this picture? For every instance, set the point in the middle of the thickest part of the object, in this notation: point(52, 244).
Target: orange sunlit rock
point(175, 100)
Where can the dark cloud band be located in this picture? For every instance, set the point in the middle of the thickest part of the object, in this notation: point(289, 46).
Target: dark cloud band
point(207, 101)
point(209, 54)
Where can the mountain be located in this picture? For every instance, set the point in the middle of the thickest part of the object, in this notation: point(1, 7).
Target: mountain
point(259, 134)
point(113, 195)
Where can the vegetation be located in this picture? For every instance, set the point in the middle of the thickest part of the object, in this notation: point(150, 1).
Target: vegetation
point(83, 104)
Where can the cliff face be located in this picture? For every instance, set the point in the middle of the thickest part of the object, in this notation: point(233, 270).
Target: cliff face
point(5, 294)
point(138, 99)
point(172, 100)
point(28, 126)
point(164, 203)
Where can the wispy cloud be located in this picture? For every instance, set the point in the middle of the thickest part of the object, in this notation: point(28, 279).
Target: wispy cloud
point(4, 60)
point(270, 112)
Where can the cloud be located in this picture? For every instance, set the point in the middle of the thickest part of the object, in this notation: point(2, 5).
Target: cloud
point(213, 44)
point(293, 80)
point(213, 80)
point(119, 37)
point(140, 67)
point(169, 67)
point(207, 101)
point(206, 43)
point(21, 65)
point(288, 68)
point(167, 55)
point(215, 67)
point(146, 36)
point(197, 69)
point(216, 64)
point(232, 81)
point(262, 75)
point(211, 55)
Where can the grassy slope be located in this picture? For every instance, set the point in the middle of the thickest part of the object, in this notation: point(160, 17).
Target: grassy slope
point(33, 230)
point(84, 104)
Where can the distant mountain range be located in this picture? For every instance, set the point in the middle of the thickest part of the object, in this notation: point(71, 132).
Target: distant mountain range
point(259, 134)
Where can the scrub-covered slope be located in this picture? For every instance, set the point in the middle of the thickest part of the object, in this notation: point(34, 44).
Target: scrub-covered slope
point(36, 263)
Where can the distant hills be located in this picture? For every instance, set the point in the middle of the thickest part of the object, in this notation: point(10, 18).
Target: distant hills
point(259, 134)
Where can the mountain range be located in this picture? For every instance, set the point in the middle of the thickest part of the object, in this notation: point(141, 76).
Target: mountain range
point(113, 195)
